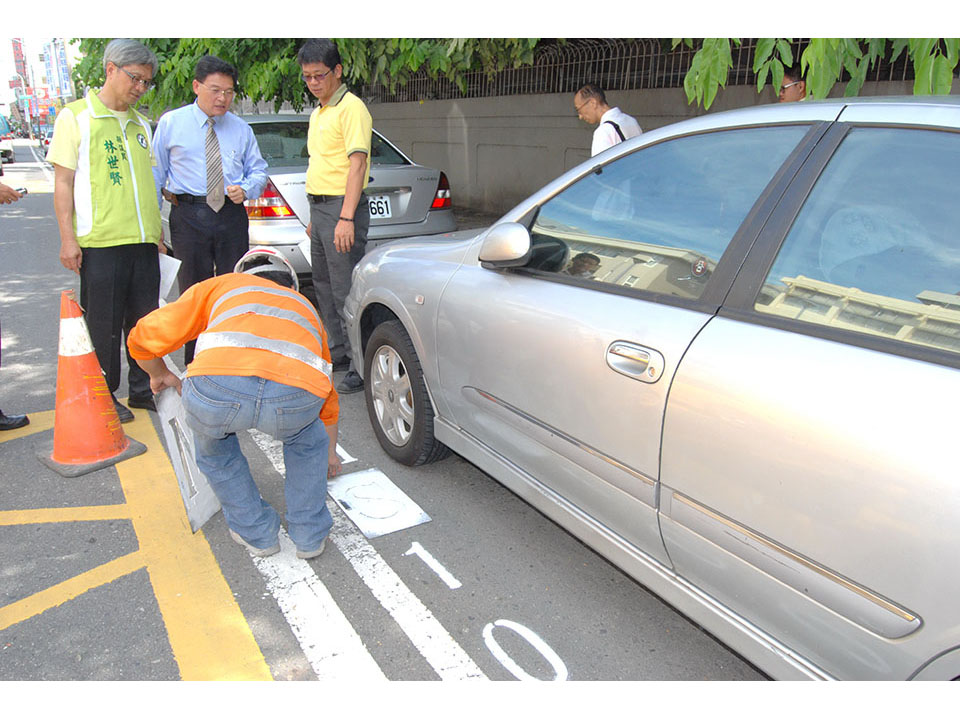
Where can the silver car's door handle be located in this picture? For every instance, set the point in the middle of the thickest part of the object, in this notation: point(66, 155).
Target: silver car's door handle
point(635, 361)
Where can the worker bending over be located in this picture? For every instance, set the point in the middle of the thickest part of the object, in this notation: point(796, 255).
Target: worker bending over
point(261, 361)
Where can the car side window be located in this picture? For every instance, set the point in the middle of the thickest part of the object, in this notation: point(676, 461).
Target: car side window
point(876, 246)
point(660, 218)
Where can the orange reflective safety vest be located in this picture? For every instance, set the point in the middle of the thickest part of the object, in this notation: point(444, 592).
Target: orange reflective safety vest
point(248, 326)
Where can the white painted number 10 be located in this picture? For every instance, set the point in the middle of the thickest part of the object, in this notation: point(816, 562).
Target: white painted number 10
point(535, 641)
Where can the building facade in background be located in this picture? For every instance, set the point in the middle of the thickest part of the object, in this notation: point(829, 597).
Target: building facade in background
point(39, 95)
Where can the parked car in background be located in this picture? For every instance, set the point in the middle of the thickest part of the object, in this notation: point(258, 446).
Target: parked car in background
point(7, 154)
point(726, 355)
point(405, 199)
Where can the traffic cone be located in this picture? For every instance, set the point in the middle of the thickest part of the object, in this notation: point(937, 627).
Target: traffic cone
point(87, 435)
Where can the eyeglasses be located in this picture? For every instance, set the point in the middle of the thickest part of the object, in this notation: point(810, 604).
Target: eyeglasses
point(790, 85)
point(319, 76)
point(229, 93)
point(137, 80)
point(581, 105)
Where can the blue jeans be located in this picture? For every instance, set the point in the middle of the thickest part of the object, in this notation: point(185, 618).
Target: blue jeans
point(217, 407)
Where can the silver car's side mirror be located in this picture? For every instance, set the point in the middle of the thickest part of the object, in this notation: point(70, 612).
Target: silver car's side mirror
point(506, 245)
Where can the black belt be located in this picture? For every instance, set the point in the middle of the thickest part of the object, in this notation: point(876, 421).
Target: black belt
point(323, 198)
point(200, 199)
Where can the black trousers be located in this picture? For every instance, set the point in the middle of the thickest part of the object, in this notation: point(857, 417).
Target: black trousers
point(118, 286)
point(208, 243)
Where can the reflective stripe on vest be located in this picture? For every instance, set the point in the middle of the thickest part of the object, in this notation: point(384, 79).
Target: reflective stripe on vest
point(249, 341)
point(280, 292)
point(269, 311)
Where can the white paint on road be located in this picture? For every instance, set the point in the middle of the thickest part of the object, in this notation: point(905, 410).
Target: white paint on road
point(431, 562)
point(344, 456)
point(559, 668)
point(42, 164)
point(434, 643)
point(332, 646)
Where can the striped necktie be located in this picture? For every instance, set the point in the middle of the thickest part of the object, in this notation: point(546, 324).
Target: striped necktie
point(214, 169)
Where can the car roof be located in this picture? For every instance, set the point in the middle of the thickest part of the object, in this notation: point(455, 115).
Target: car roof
point(276, 117)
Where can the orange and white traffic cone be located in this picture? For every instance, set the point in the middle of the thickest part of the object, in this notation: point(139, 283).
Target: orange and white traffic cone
point(87, 435)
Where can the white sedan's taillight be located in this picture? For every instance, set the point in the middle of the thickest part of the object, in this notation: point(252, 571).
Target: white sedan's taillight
point(442, 200)
point(269, 205)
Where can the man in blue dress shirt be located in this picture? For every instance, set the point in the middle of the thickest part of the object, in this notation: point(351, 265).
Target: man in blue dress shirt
point(207, 163)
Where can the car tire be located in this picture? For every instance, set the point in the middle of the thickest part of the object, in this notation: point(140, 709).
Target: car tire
point(306, 289)
point(397, 400)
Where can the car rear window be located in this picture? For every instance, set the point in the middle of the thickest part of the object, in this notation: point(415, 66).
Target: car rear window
point(284, 144)
point(874, 249)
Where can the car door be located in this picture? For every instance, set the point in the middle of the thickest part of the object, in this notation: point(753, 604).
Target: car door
point(562, 368)
point(808, 474)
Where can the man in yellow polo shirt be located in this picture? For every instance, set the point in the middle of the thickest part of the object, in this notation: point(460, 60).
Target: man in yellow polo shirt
point(338, 142)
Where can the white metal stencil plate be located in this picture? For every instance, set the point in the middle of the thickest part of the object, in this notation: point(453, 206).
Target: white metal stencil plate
point(374, 503)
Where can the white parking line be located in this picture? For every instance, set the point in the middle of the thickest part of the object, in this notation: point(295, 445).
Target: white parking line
point(43, 165)
point(332, 646)
point(329, 642)
point(434, 643)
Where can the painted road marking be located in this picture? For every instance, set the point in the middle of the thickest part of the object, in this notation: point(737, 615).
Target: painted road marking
point(432, 563)
point(332, 646)
point(208, 633)
point(344, 456)
point(559, 669)
point(43, 165)
point(434, 643)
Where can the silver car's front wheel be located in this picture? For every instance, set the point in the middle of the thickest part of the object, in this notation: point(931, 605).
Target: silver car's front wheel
point(397, 400)
point(393, 404)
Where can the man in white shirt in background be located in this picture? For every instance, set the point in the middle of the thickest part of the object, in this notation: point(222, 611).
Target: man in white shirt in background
point(614, 125)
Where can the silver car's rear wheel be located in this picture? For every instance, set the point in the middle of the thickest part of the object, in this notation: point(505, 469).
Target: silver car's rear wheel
point(397, 400)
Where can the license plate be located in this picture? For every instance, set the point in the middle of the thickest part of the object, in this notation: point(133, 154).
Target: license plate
point(379, 206)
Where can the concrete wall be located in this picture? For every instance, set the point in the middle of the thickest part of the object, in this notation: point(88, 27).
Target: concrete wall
point(498, 151)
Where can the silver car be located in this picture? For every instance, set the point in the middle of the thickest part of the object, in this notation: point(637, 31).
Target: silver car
point(405, 199)
point(726, 355)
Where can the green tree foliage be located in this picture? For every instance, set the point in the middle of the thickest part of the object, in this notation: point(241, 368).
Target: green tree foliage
point(269, 71)
point(823, 63)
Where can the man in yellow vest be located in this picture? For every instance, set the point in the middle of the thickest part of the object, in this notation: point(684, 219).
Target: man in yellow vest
point(105, 202)
point(262, 362)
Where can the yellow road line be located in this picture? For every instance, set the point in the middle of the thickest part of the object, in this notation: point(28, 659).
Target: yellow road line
point(208, 633)
point(210, 637)
point(69, 589)
point(65, 514)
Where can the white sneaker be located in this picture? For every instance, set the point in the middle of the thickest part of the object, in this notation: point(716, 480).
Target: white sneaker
point(258, 552)
point(307, 554)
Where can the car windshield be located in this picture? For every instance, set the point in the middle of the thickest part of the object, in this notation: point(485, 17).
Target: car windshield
point(284, 144)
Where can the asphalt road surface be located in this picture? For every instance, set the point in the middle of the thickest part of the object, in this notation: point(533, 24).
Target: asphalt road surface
point(100, 578)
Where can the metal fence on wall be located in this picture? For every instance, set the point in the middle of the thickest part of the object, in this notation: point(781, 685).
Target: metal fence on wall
point(614, 64)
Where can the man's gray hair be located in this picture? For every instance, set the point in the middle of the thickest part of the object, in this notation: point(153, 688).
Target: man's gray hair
point(124, 51)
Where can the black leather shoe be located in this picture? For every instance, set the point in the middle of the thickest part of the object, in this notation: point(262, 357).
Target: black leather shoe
point(124, 412)
point(12, 422)
point(144, 402)
point(351, 383)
